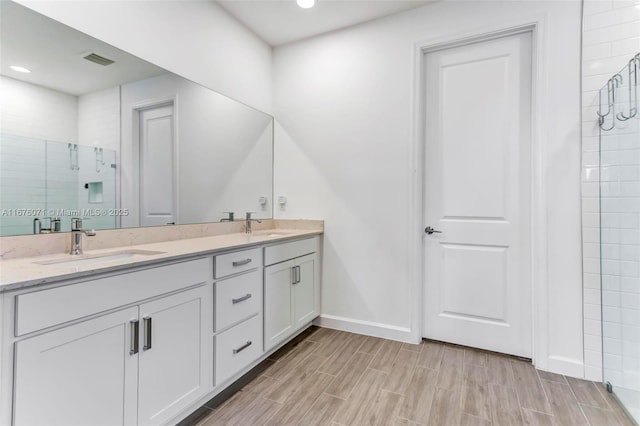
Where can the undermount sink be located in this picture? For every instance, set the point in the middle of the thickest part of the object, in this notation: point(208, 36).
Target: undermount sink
point(271, 233)
point(97, 258)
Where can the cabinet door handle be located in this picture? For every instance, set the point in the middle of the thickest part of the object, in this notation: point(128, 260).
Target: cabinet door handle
point(243, 347)
point(240, 262)
point(241, 299)
point(133, 347)
point(147, 333)
point(293, 275)
point(297, 273)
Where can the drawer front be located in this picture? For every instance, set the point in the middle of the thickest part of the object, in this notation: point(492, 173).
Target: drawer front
point(46, 308)
point(281, 252)
point(232, 263)
point(237, 298)
point(237, 347)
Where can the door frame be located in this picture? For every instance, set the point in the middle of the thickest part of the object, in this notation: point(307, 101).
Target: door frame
point(538, 254)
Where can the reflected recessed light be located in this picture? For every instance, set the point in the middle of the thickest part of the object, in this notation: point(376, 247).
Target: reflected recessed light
point(20, 69)
point(306, 4)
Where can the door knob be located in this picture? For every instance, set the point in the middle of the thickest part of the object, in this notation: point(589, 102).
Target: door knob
point(429, 230)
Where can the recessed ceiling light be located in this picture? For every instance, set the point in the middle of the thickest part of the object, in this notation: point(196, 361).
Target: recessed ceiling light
point(306, 4)
point(20, 69)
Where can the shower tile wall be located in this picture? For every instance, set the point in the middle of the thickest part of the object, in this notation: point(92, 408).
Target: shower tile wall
point(22, 172)
point(611, 35)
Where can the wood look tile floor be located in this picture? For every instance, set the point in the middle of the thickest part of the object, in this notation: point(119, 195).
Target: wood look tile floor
point(330, 377)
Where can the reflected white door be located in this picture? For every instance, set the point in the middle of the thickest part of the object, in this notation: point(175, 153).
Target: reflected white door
point(477, 194)
point(157, 167)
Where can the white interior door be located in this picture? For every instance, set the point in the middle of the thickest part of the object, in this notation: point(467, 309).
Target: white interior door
point(477, 194)
point(157, 167)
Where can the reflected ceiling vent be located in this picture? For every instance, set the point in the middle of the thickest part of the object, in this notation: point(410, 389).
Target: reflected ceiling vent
point(100, 60)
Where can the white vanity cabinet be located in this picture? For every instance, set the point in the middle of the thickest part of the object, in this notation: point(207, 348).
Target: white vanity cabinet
point(150, 345)
point(142, 364)
point(291, 288)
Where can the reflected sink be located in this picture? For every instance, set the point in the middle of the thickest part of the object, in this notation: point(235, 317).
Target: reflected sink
point(97, 258)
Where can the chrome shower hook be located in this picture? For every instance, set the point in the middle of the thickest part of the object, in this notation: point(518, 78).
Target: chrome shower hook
point(633, 90)
point(613, 83)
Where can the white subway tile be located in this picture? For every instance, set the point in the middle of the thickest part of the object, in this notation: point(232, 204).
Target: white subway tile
point(612, 346)
point(593, 358)
point(592, 296)
point(628, 46)
point(591, 266)
point(592, 343)
point(591, 7)
point(592, 326)
point(592, 312)
point(611, 314)
point(593, 373)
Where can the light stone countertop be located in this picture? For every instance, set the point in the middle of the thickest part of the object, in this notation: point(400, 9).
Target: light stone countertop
point(25, 272)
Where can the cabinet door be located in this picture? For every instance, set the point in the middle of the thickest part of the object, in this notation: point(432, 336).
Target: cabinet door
point(78, 375)
point(305, 297)
point(278, 315)
point(174, 349)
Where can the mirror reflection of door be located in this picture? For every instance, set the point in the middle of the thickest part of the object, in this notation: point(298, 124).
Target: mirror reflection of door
point(158, 204)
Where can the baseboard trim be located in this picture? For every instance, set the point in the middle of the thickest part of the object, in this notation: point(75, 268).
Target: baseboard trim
point(385, 331)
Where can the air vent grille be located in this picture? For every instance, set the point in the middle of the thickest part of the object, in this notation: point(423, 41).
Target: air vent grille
point(100, 60)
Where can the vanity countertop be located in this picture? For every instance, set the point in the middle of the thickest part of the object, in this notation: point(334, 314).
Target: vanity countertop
point(28, 271)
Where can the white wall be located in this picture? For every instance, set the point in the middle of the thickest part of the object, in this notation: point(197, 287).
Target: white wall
point(344, 103)
point(37, 112)
point(611, 37)
point(195, 39)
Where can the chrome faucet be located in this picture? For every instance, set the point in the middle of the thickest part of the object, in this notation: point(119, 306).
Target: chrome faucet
point(227, 219)
point(76, 235)
point(248, 221)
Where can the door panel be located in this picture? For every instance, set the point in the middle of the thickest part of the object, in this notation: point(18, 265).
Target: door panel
point(477, 193)
point(278, 315)
point(174, 372)
point(304, 294)
point(157, 167)
point(78, 375)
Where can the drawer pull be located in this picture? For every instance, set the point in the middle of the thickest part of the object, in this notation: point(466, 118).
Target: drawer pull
point(243, 347)
point(135, 327)
point(147, 333)
point(241, 299)
point(241, 262)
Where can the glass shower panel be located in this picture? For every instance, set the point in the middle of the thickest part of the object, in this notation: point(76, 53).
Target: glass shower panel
point(62, 178)
point(23, 190)
point(620, 235)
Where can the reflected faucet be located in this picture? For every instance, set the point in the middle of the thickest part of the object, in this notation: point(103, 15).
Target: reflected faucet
point(76, 235)
point(248, 221)
point(227, 219)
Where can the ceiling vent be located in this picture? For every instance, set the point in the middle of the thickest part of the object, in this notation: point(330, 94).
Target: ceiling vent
point(100, 60)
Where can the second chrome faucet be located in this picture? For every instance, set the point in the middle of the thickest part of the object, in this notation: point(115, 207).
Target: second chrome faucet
point(248, 221)
point(76, 235)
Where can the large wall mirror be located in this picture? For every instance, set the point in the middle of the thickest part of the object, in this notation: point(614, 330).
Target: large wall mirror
point(95, 132)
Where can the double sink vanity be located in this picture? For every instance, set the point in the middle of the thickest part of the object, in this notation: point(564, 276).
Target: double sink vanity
point(147, 333)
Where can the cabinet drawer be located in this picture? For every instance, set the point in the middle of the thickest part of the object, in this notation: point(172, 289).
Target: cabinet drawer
point(237, 347)
point(237, 298)
point(232, 263)
point(281, 252)
point(46, 308)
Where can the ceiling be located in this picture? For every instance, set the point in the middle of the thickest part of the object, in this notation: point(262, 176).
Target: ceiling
point(283, 21)
point(54, 54)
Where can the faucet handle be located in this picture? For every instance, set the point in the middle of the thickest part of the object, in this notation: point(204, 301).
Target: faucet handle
point(76, 223)
point(229, 216)
point(249, 215)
